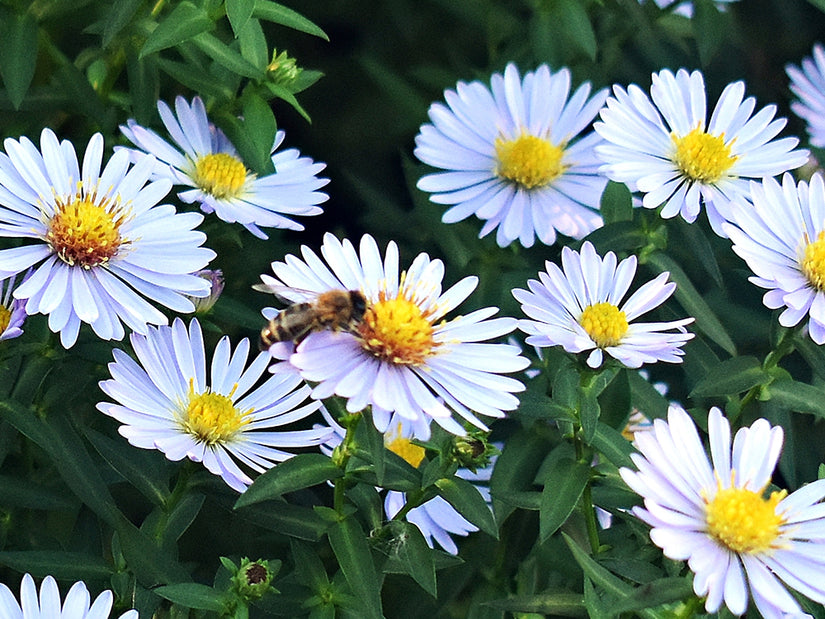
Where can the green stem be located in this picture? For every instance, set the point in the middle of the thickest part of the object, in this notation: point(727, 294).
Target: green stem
point(588, 511)
point(340, 457)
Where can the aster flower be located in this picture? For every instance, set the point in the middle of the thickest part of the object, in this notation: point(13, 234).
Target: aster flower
point(513, 156)
point(808, 84)
point(437, 520)
point(100, 242)
point(12, 311)
point(578, 309)
point(735, 537)
point(205, 160)
point(782, 238)
point(166, 402)
point(664, 147)
point(405, 356)
point(78, 604)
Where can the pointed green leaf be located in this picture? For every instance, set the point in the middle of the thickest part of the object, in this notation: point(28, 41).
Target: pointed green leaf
point(282, 93)
point(516, 468)
point(225, 56)
point(600, 576)
point(301, 471)
point(589, 414)
point(18, 55)
point(19, 492)
point(239, 12)
point(645, 397)
point(185, 22)
point(309, 568)
point(201, 82)
point(799, 397)
point(193, 595)
point(353, 553)
point(468, 502)
point(616, 203)
point(730, 377)
point(411, 551)
point(61, 565)
point(117, 17)
point(709, 29)
point(563, 486)
point(692, 301)
point(555, 604)
point(295, 521)
point(182, 516)
point(253, 45)
point(575, 24)
point(279, 14)
point(612, 445)
point(656, 593)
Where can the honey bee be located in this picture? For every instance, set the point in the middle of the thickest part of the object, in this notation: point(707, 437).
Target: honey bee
point(336, 310)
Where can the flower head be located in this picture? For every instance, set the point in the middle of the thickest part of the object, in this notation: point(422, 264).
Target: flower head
point(78, 604)
point(405, 356)
point(808, 84)
point(735, 535)
point(782, 238)
point(513, 157)
point(12, 311)
point(206, 161)
point(665, 148)
point(100, 242)
point(579, 309)
point(166, 402)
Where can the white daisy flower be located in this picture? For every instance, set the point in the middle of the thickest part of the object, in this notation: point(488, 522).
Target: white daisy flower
point(578, 309)
point(12, 311)
point(405, 356)
point(719, 518)
point(78, 603)
point(513, 156)
point(437, 520)
point(782, 238)
point(166, 402)
point(685, 7)
point(205, 160)
point(808, 84)
point(99, 239)
point(664, 147)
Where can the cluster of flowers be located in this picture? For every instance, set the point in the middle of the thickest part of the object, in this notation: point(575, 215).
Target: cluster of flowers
point(101, 249)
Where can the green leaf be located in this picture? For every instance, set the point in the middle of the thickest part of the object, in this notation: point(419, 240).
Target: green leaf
point(282, 93)
point(350, 547)
point(151, 565)
point(142, 468)
point(645, 397)
point(260, 127)
point(225, 56)
point(516, 468)
point(202, 83)
point(589, 414)
point(411, 551)
point(600, 576)
point(253, 46)
point(555, 604)
point(618, 236)
point(18, 55)
point(60, 564)
point(692, 301)
point(709, 29)
point(820, 4)
point(799, 397)
point(301, 471)
point(616, 203)
point(279, 14)
point(563, 486)
point(731, 376)
point(117, 18)
point(72, 461)
point(239, 12)
point(576, 26)
point(182, 516)
point(656, 593)
point(19, 492)
point(612, 445)
point(193, 595)
point(295, 521)
point(185, 22)
point(144, 84)
point(468, 502)
point(309, 568)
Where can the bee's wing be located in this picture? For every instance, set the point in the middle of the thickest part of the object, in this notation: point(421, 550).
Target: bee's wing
point(286, 294)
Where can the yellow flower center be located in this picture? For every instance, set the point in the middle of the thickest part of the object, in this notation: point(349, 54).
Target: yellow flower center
point(5, 318)
point(702, 157)
point(405, 449)
point(220, 174)
point(813, 263)
point(529, 161)
point(744, 521)
point(397, 331)
point(86, 232)
point(211, 417)
point(605, 323)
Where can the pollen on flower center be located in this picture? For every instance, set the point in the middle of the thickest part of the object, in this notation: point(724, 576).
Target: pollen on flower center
point(743, 520)
point(396, 330)
point(529, 161)
point(813, 262)
point(5, 318)
point(220, 174)
point(702, 157)
point(407, 450)
point(212, 417)
point(605, 323)
point(86, 232)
